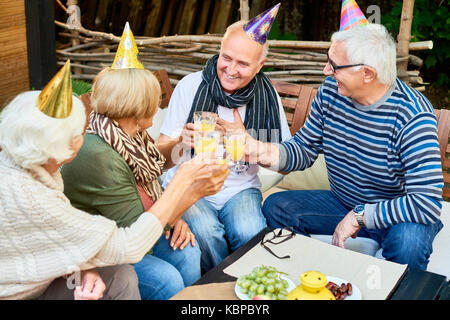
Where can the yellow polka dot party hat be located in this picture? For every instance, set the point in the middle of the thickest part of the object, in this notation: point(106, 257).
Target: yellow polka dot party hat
point(127, 52)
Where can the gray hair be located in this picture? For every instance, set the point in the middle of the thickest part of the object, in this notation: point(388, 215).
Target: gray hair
point(372, 45)
point(32, 138)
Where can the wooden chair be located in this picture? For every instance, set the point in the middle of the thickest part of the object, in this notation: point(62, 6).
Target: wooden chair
point(166, 87)
point(443, 121)
point(296, 100)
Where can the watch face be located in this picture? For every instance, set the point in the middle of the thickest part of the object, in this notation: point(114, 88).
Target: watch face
point(359, 208)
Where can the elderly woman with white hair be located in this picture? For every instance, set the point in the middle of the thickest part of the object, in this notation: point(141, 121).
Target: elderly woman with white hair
point(43, 238)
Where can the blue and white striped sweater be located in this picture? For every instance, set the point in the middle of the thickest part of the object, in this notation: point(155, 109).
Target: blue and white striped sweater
point(385, 156)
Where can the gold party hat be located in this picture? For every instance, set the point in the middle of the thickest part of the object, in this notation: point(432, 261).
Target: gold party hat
point(55, 100)
point(127, 53)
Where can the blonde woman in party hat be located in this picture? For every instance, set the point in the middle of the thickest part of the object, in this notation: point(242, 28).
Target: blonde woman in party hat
point(233, 86)
point(115, 173)
point(48, 248)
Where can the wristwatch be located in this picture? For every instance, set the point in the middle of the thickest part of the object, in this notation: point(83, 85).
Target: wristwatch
point(359, 214)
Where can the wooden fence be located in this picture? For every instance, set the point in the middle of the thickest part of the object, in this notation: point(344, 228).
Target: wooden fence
point(13, 55)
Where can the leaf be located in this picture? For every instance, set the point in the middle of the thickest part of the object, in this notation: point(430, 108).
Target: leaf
point(430, 61)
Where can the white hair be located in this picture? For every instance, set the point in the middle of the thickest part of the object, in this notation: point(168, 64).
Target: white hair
point(32, 138)
point(372, 45)
point(240, 25)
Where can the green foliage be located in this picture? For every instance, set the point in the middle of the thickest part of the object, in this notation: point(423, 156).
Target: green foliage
point(276, 34)
point(80, 87)
point(431, 21)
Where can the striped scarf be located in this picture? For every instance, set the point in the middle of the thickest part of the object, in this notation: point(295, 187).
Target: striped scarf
point(262, 112)
point(139, 152)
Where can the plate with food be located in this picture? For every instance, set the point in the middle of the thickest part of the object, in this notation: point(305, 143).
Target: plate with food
point(343, 290)
point(264, 283)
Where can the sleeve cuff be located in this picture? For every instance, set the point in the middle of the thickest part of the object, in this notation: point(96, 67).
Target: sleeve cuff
point(283, 161)
point(369, 215)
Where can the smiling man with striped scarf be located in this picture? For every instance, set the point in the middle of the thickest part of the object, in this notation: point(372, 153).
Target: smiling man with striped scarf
point(379, 139)
point(233, 86)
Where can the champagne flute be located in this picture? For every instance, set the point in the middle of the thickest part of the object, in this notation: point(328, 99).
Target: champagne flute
point(206, 141)
point(206, 121)
point(235, 147)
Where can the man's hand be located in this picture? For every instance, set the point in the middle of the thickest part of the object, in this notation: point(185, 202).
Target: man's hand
point(348, 227)
point(92, 286)
point(224, 126)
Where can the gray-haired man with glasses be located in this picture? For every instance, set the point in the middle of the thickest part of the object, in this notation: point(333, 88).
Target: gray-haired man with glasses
point(379, 139)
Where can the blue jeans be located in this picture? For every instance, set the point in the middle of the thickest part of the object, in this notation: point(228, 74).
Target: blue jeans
point(238, 221)
point(166, 272)
point(319, 212)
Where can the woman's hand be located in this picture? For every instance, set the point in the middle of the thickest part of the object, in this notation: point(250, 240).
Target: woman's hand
point(181, 235)
point(209, 180)
point(92, 286)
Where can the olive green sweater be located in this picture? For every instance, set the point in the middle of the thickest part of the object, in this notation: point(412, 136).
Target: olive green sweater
point(99, 181)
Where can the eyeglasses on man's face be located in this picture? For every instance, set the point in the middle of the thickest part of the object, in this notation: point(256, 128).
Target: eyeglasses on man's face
point(277, 237)
point(335, 67)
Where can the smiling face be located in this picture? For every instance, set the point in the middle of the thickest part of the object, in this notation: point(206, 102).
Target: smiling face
point(239, 60)
point(348, 80)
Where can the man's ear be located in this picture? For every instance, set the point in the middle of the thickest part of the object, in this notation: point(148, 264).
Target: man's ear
point(261, 64)
point(370, 74)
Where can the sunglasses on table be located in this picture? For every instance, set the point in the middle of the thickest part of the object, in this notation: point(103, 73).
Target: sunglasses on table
point(335, 67)
point(276, 237)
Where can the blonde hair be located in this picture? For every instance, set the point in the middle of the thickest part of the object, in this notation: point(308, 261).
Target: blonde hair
point(126, 93)
point(32, 138)
point(239, 25)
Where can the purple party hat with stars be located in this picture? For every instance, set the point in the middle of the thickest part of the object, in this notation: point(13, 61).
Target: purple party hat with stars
point(258, 28)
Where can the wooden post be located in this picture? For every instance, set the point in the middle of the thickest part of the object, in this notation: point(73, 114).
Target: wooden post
point(404, 36)
point(244, 10)
point(72, 11)
point(41, 43)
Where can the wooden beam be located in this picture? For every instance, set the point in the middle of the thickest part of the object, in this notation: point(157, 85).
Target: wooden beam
point(244, 10)
point(154, 18)
point(404, 36)
point(41, 43)
point(188, 18)
point(203, 17)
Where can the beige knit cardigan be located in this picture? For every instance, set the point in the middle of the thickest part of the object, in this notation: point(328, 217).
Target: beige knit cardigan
point(42, 237)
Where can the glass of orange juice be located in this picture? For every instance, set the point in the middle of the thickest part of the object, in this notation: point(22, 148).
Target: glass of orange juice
point(206, 121)
point(206, 141)
point(235, 148)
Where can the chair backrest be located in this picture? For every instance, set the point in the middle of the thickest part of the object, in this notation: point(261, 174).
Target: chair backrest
point(166, 87)
point(296, 100)
point(443, 121)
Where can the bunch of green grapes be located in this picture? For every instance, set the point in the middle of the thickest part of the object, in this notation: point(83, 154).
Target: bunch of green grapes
point(264, 281)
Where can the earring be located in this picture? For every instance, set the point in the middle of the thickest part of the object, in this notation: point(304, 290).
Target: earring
point(137, 126)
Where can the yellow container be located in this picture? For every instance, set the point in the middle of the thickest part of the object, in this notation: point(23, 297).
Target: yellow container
point(312, 287)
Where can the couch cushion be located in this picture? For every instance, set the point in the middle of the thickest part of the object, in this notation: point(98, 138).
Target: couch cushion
point(440, 258)
point(313, 178)
point(268, 178)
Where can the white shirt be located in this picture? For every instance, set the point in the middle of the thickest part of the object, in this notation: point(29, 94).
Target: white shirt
point(177, 114)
